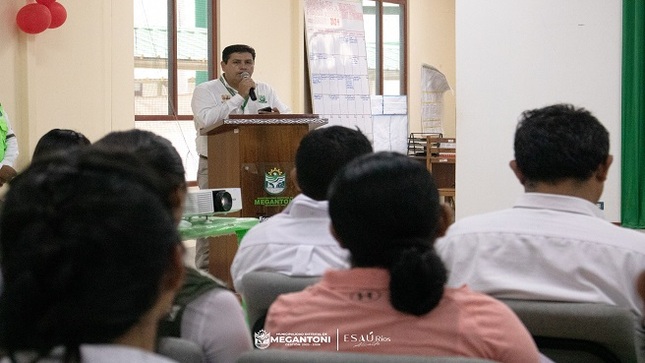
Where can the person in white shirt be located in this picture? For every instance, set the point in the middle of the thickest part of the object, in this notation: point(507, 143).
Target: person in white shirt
point(297, 241)
point(91, 259)
point(554, 243)
point(234, 92)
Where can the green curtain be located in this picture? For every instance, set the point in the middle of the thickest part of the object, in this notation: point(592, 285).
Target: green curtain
point(633, 115)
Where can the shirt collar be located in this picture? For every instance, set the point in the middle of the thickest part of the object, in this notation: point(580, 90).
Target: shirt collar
point(303, 206)
point(561, 203)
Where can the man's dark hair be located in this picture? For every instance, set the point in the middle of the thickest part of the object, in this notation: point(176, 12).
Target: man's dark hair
point(322, 153)
point(236, 48)
point(560, 142)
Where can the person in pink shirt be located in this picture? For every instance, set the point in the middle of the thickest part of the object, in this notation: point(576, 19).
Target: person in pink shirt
point(385, 210)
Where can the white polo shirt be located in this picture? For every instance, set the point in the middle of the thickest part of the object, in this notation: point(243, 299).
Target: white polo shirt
point(295, 242)
point(547, 247)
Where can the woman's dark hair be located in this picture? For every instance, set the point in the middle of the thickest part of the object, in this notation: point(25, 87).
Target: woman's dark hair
point(154, 150)
point(385, 209)
point(86, 242)
point(59, 140)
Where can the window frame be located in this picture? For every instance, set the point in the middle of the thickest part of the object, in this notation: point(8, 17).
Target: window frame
point(403, 57)
point(172, 62)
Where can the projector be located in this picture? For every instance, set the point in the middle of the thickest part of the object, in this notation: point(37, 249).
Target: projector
point(208, 202)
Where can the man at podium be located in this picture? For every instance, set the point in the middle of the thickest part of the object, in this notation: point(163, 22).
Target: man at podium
point(234, 92)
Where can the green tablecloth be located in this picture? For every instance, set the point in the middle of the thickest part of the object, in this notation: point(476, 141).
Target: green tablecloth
point(201, 227)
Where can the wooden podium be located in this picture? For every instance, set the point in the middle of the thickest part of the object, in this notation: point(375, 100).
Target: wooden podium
point(255, 153)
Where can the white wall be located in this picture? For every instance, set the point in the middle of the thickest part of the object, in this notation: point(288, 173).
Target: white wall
point(431, 40)
point(276, 30)
point(513, 55)
point(77, 76)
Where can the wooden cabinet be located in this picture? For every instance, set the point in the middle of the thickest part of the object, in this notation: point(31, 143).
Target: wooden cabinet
point(441, 156)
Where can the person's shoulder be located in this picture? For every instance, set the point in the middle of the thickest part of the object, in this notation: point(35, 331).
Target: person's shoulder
point(476, 222)
point(208, 84)
point(479, 306)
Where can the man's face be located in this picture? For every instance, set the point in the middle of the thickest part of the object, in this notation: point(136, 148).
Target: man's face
point(237, 64)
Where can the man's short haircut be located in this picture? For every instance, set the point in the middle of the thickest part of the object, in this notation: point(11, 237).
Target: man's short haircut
point(236, 48)
point(322, 153)
point(560, 142)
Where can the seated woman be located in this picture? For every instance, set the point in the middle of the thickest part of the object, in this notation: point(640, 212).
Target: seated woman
point(91, 260)
point(205, 311)
point(385, 210)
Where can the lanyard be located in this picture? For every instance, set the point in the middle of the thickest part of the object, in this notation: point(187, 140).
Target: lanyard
point(233, 92)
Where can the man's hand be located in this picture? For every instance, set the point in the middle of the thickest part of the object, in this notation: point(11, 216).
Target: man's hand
point(245, 85)
point(6, 174)
point(273, 110)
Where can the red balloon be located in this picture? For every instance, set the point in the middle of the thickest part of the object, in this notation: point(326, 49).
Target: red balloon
point(59, 14)
point(34, 18)
point(46, 2)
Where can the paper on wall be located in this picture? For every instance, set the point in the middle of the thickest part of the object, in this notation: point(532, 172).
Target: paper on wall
point(433, 85)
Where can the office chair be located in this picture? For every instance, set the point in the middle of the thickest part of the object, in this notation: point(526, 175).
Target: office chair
point(262, 288)
point(303, 356)
point(580, 332)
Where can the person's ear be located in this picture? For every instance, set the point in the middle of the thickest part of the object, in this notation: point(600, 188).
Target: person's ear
point(332, 230)
point(178, 201)
point(294, 177)
point(176, 272)
point(446, 218)
point(516, 170)
point(603, 169)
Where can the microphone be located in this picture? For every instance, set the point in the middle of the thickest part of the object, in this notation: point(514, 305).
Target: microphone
point(252, 95)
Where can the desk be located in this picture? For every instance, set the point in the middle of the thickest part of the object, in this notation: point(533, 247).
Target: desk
point(202, 227)
point(440, 161)
point(224, 235)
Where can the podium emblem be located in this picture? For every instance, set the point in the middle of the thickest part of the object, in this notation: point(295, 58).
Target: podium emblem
point(275, 181)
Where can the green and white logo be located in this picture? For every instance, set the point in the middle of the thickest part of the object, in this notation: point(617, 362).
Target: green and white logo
point(275, 181)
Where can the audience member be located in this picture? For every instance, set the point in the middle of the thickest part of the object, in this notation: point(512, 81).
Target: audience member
point(82, 282)
point(297, 241)
point(554, 244)
point(204, 311)
point(385, 209)
point(234, 92)
point(59, 140)
point(8, 148)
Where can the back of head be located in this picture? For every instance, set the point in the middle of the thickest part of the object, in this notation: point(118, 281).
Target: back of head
point(236, 48)
point(86, 244)
point(322, 153)
point(156, 151)
point(59, 140)
point(560, 142)
point(385, 209)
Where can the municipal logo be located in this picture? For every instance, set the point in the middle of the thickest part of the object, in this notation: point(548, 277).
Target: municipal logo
point(275, 181)
point(262, 339)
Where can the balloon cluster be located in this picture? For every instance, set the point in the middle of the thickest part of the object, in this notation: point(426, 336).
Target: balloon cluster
point(36, 17)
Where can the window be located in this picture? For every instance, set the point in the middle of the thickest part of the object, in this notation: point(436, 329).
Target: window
point(173, 52)
point(386, 38)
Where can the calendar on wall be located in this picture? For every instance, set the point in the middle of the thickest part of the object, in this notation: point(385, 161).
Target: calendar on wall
point(337, 61)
